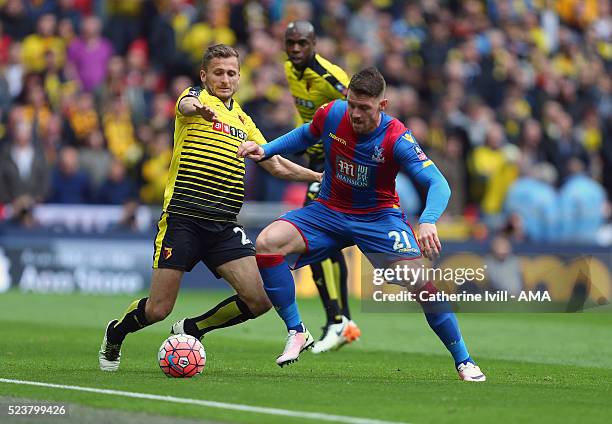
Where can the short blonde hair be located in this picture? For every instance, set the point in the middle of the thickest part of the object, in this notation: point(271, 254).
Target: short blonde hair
point(219, 50)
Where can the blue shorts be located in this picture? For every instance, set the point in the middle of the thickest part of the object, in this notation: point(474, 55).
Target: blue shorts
point(383, 236)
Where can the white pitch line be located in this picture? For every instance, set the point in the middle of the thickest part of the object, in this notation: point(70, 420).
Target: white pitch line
point(211, 404)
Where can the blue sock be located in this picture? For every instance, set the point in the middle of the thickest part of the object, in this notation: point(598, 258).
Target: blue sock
point(280, 287)
point(443, 322)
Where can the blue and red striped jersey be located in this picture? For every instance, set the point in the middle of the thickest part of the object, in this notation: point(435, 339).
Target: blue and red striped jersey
point(360, 170)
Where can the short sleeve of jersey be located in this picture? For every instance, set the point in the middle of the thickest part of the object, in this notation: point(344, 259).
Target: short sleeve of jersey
point(188, 92)
point(409, 154)
point(318, 120)
point(253, 132)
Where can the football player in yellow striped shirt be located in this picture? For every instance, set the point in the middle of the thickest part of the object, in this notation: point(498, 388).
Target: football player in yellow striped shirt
point(203, 196)
point(313, 82)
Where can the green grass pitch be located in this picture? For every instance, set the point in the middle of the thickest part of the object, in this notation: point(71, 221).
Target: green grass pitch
point(540, 367)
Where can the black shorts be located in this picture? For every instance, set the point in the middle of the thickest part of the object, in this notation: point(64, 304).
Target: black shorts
point(182, 242)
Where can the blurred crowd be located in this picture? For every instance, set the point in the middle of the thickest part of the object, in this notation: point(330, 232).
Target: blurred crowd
point(512, 99)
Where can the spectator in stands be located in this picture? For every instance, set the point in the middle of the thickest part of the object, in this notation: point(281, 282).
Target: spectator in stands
point(162, 112)
point(534, 200)
point(561, 145)
point(69, 184)
point(123, 23)
point(52, 139)
point(582, 202)
point(117, 189)
point(36, 111)
point(66, 11)
point(17, 23)
point(81, 118)
point(119, 131)
point(14, 70)
point(163, 37)
point(24, 173)
point(530, 143)
point(155, 167)
point(90, 54)
point(486, 160)
point(55, 80)
point(95, 158)
point(35, 45)
point(212, 28)
point(503, 268)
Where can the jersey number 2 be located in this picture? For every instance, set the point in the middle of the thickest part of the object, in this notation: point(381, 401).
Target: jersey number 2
point(245, 239)
point(397, 245)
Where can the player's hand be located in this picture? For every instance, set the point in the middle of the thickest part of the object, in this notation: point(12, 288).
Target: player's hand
point(250, 149)
point(320, 177)
point(206, 112)
point(429, 241)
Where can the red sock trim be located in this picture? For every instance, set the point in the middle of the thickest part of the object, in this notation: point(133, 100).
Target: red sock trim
point(269, 261)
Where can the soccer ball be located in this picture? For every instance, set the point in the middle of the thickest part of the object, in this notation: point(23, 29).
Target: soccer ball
point(181, 356)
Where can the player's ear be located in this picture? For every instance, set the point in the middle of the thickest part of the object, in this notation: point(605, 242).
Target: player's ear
point(202, 75)
point(383, 104)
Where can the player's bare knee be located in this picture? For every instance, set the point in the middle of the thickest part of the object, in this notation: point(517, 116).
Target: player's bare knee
point(265, 244)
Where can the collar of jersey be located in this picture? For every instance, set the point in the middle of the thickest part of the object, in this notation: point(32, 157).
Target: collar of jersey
point(384, 120)
point(230, 107)
point(299, 73)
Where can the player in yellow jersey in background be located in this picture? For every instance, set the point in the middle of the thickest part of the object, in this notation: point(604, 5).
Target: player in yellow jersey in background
point(313, 82)
point(203, 196)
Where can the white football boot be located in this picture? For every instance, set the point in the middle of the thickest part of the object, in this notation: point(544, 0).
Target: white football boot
point(296, 344)
point(337, 335)
point(110, 354)
point(470, 372)
point(178, 327)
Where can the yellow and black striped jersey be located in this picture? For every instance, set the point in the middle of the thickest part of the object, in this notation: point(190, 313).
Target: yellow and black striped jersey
point(206, 179)
point(319, 83)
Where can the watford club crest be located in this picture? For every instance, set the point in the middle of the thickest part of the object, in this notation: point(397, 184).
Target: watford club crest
point(242, 119)
point(167, 252)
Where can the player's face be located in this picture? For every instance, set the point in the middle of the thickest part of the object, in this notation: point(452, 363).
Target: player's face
point(221, 77)
point(364, 112)
point(299, 49)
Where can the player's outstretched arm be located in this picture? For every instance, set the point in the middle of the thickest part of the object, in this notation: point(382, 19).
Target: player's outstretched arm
point(191, 106)
point(294, 141)
point(287, 170)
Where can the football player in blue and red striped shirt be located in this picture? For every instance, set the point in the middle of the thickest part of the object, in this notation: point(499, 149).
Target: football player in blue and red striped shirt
point(364, 150)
